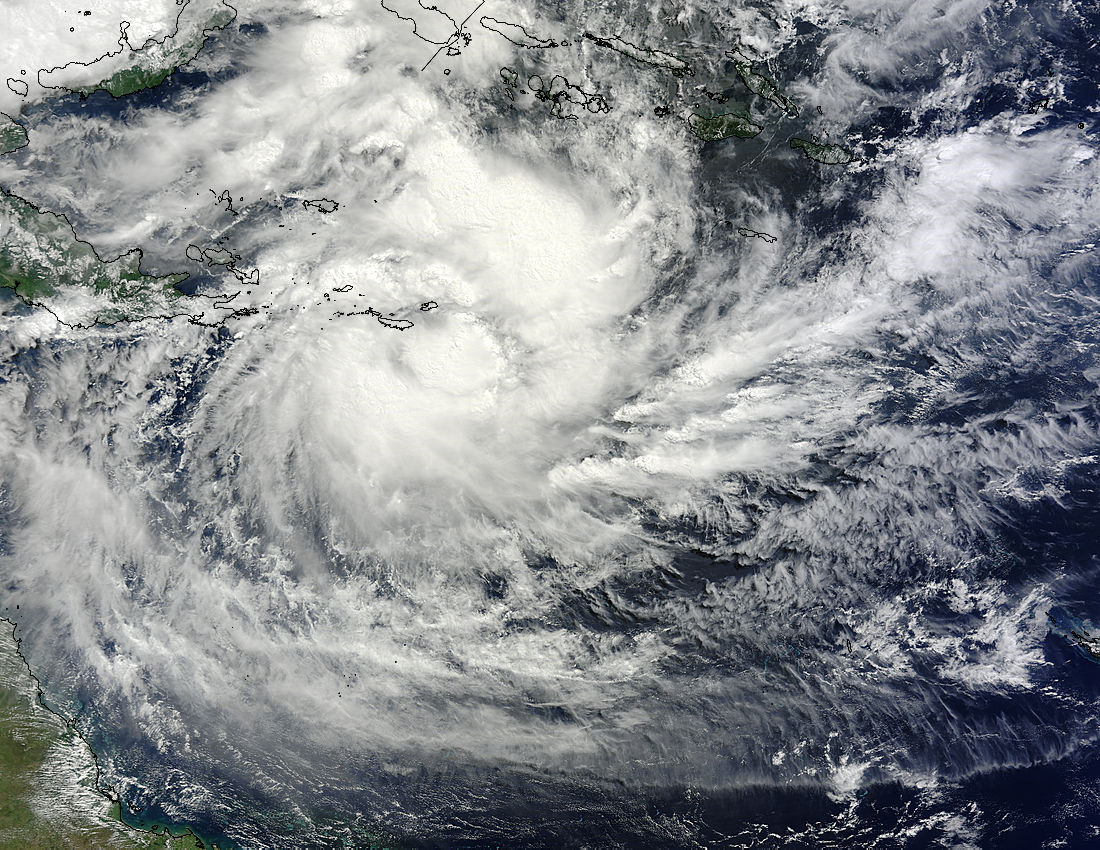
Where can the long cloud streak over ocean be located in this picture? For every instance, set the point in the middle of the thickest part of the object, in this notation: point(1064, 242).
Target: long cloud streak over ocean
point(637, 503)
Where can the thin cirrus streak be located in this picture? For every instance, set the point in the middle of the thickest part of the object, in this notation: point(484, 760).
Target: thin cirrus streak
point(639, 501)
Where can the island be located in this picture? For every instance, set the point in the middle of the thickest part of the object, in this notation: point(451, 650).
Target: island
point(20, 87)
point(760, 85)
point(132, 68)
point(517, 34)
point(322, 205)
point(825, 154)
point(560, 93)
point(655, 58)
point(723, 126)
point(749, 233)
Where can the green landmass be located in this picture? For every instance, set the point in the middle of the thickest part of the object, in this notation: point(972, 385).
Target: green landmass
point(1077, 633)
point(13, 135)
point(151, 64)
point(48, 797)
point(723, 126)
point(826, 154)
point(131, 80)
point(760, 85)
point(42, 261)
point(45, 265)
point(154, 65)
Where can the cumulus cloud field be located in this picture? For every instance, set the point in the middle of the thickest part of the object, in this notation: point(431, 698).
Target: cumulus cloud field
point(522, 474)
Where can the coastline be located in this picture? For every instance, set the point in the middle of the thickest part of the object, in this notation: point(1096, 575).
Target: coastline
point(117, 813)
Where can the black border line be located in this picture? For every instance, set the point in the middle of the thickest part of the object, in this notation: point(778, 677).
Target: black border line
point(100, 787)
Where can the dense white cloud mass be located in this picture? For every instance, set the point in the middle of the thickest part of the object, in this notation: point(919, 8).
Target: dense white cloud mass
point(44, 34)
point(635, 499)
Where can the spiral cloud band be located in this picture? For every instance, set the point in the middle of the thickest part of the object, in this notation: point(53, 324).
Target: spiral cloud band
point(544, 461)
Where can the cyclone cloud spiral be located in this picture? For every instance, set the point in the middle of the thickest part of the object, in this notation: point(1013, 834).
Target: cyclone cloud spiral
point(566, 479)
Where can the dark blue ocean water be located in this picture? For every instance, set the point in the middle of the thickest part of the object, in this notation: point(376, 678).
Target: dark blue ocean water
point(1050, 799)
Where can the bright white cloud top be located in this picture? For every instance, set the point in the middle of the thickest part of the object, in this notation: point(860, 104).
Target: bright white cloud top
point(505, 450)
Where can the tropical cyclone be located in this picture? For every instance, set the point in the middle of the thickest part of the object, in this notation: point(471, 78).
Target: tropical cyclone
point(674, 484)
